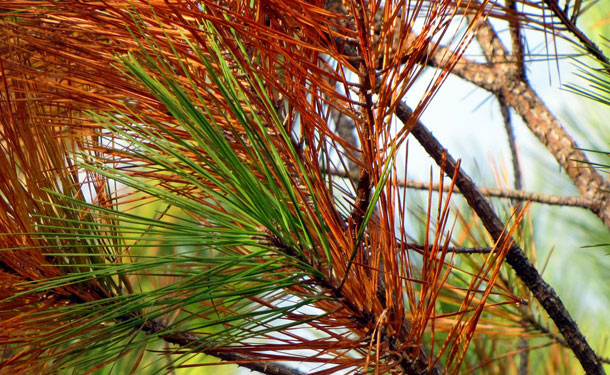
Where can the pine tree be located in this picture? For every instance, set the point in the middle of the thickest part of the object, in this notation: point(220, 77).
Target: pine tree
point(184, 179)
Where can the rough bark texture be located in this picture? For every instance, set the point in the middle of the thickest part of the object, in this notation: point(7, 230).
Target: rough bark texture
point(526, 271)
point(502, 79)
point(513, 194)
point(189, 341)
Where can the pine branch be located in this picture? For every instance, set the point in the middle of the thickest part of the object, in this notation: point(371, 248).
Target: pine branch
point(363, 191)
point(520, 195)
point(365, 95)
point(186, 340)
point(512, 143)
point(526, 271)
point(457, 250)
point(502, 81)
point(569, 23)
point(540, 327)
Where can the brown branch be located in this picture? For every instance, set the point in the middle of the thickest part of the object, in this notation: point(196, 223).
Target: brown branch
point(540, 327)
point(457, 250)
point(190, 341)
point(502, 81)
point(512, 143)
point(527, 272)
point(516, 37)
point(519, 195)
point(365, 95)
point(588, 44)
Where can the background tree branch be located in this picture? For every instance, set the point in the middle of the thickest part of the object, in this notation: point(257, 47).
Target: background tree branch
point(518, 195)
point(503, 80)
point(526, 271)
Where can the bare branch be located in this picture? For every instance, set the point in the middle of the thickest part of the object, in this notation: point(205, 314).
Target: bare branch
point(458, 250)
point(540, 327)
point(544, 125)
point(512, 143)
point(519, 195)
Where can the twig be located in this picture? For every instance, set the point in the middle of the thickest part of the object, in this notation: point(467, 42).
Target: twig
point(510, 134)
point(517, 54)
point(187, 340)
point(527, 272)
point(524, 349)
point(365, 95)
point(519, 195)
point(345, 128)
point(537, 325)
point(591, 47)
point(458, 250)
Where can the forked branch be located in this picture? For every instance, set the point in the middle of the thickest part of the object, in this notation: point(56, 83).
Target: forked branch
point(526, 271)
point(512, 89)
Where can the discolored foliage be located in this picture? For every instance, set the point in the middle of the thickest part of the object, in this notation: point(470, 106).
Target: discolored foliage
point(227, 178)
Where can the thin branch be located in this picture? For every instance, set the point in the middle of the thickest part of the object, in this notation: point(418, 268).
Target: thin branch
point(527, 272)
point(498, 56)
point(524, 349)
point(540, 327)
point(346, 128)
point(458, 250)
point(187, 340)
point(512, 143)
point(519, 195)
point(365, 95)
point(587, 43)
point(517, 53)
